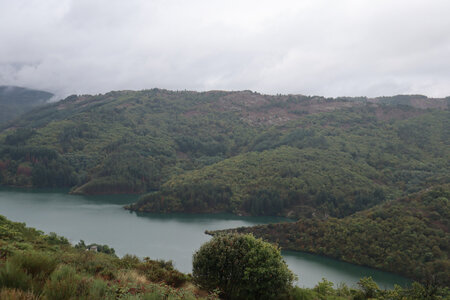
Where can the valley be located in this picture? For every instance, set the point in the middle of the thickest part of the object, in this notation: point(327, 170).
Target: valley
point(362, 180)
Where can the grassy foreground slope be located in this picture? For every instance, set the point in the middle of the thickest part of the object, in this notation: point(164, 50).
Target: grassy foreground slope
point(38, 266)
point(409, 236)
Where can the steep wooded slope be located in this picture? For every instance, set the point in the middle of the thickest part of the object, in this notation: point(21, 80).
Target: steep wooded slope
point(327, 164)
point(409, 236)
point(263, 154)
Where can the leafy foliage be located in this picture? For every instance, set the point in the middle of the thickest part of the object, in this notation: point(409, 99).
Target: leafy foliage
point(409, 236)
point(367, 289)
point(321, 164)
point(137, 142)
point(242, 267)
point(247, 153)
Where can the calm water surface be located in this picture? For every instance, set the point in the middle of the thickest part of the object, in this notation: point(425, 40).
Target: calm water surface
point(101, 219)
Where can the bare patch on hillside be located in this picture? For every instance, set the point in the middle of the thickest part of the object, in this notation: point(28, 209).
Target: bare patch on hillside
point(262, 110)
point(392, 113)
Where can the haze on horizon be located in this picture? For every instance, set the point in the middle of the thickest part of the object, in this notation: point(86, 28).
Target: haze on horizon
point(312, 47)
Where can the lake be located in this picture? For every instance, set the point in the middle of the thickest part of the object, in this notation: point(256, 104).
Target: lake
point(102, 220)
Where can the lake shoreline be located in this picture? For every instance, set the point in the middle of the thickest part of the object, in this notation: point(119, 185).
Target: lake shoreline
point(100, 219)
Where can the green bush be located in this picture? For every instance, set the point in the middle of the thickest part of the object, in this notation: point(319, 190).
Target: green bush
point(160, 270)
point(242, 267)
point(324, 288)
point(175, 278)
point(302, 294)
point(368, 287)
point(11, 276)
point(93, 263)
point(35, 264)
point(98, 290)
point(129, 261)
point(63, 284)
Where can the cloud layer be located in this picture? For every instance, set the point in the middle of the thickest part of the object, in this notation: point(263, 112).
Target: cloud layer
point(322, 47)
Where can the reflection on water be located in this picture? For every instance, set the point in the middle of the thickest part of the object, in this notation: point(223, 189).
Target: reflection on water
point(101, 219)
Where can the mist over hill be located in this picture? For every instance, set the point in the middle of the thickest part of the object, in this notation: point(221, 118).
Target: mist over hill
point(15, 101)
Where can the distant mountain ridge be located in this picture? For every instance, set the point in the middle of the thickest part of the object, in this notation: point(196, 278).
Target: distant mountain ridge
point(15, 101)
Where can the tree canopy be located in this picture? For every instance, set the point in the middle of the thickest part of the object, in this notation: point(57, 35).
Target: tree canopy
point(242, 267)
point(408, 236)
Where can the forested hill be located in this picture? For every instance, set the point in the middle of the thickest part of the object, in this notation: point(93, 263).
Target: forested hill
point(232, 151)
point(15, 101)
point(409, 236)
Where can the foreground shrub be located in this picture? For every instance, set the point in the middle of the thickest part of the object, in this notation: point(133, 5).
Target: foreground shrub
point(36, 264)
point(13, 294)
point(160, 270)
point(302, 294)
point(242, 267)
point(92, 263)
point(11, 276)
point(63, 284)
point(98, 290)
point(368, 287)
point(324, 288)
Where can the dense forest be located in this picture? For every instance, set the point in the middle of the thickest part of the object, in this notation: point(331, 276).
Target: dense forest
point(34, 265)
point(409, 236)
point(240, 152)
point(321, 164)
point(15, 101)
point(346, 168)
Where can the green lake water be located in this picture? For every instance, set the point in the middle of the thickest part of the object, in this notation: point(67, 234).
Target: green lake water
point(101, 219)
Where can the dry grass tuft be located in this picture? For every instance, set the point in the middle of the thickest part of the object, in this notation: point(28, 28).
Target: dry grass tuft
point(132, 276)
point(13, 294)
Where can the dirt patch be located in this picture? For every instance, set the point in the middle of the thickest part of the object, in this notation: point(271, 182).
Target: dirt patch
point(429, 103)
point(257, 110)
point(125, 105)
point(243, 99)
point(384, 114)
point(194, 113)
point(182, 155)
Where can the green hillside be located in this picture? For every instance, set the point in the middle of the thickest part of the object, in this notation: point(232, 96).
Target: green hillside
point(408, 236)
point(327, 164)
point(15, 101)
point(120, 142)
point(339, 162)
point(232, 151)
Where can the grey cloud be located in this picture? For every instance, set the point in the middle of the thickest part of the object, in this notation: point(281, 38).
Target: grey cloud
point(322, 47)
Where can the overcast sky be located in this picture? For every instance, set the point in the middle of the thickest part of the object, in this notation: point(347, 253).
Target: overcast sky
point(312, 47)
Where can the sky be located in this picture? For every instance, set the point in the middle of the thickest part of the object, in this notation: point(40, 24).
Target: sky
point(311, 47)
